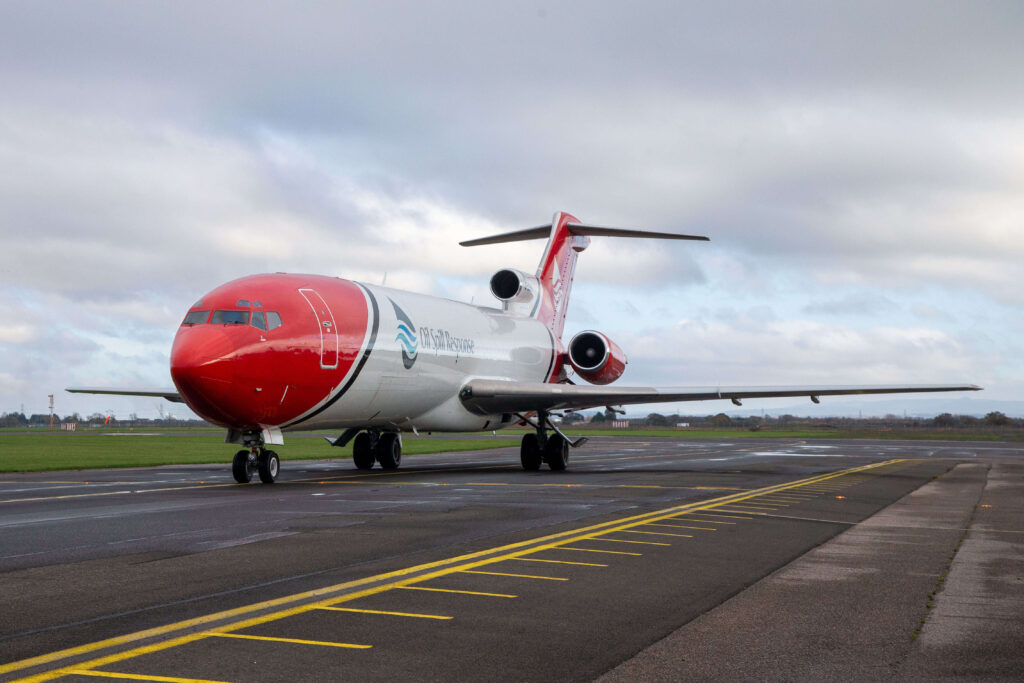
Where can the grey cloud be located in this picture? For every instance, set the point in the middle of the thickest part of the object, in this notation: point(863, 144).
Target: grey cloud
point(864, 303)
point(149, 151)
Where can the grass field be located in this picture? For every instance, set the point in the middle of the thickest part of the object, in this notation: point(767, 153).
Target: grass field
point(44, 450)
point(62, 451)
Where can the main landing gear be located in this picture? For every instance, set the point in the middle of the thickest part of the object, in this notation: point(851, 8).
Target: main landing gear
point(539, 447)
point(257, 459)
point(375, 446)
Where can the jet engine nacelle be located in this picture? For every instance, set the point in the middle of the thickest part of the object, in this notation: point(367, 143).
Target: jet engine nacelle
point(596, 358)
point(514, 286)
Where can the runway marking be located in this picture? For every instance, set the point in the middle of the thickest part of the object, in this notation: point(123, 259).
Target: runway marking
point(683, 526)
point(595, 550)
point(716, 520)
point(657, 533)
point(518, 576)
point(323, 643)
point(392, 614)
point(619, 540)
point(452, 590)
point(138, 677)
point(581, 564)
point(755, 506)
point(399, 579)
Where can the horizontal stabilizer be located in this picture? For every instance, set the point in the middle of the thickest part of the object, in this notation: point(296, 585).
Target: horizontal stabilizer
point(489, 397)
point(171, 395)
point(544, 231)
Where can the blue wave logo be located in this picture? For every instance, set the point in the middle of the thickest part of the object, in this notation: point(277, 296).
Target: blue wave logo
point(406, 337)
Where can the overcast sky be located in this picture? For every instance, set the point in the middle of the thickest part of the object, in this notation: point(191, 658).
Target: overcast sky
point(858, 166)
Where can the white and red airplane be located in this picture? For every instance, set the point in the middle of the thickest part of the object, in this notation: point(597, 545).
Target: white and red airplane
point(266, 354)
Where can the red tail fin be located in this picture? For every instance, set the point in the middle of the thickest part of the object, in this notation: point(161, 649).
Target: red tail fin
point(556, 271)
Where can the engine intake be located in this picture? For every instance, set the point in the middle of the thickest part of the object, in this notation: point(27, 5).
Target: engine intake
point(510, 285)
point(596, 358)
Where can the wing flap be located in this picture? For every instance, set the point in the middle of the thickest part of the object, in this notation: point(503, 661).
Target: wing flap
point(171, 395)
point(490, 397)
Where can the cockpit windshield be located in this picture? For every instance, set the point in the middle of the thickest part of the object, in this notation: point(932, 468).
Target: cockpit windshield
point(195, 317)
point(230, 318)
point(261, 320)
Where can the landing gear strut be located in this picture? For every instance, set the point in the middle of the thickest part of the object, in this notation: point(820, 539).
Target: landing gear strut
point(540, 447)
point(373, 446)
point(255, 459)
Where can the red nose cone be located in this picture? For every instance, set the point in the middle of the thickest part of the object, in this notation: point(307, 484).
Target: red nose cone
point(203, 371)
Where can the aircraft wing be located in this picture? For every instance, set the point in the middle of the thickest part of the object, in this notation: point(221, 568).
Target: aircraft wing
point(488, 397)
point(171, 395)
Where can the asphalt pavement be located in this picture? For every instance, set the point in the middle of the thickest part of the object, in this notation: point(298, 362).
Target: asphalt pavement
point(657, 559)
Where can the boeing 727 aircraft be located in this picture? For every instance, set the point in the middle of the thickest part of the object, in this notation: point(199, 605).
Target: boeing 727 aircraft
point(266, 354)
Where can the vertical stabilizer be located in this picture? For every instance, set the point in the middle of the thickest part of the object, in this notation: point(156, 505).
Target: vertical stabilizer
point(556, 271)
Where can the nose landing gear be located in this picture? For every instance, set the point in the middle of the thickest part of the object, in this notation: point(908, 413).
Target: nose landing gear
point(255, 459)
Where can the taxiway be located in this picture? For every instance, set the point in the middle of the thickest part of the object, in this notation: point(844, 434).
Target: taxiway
point(657, 558)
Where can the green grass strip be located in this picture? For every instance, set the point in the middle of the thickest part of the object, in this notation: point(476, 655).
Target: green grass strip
point(76, 451)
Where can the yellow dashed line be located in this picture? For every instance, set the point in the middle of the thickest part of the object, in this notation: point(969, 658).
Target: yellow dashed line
point(683, 526)
point(656, 533)
point(581, 564)
point(619, 540)
point(594, 550)
point(391, 614)
point(452, 590)
point(323, 643)
point(518, 576)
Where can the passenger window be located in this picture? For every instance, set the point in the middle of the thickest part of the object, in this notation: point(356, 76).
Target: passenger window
point(242, 302)
point(230, 318)
point(259, 320)
point(195, 317)
point(273, 320)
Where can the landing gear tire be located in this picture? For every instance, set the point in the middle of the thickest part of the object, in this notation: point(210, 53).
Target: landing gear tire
point(389, 451)
point(529, 453)
point(268, 465)
point(362, 451)
point(556, 452)
point(241, 467)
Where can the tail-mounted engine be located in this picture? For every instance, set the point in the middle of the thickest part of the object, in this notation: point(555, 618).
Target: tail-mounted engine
point(596, 358)
point(512, 286)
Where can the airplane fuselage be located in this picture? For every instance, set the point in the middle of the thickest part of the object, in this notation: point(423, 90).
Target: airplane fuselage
point(314, 352)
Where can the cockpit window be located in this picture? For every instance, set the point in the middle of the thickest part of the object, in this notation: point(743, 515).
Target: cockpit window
point(230, 318)
point(242, 302)
point(195, 317)
point(259, 320)
point(257, 304)
point(273, 320)
point(197, 304)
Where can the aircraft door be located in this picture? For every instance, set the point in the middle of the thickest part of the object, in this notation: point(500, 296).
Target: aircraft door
point(328, 328)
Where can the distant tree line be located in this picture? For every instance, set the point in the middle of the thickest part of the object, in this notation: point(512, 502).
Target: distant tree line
point(42, 420)
point(993, 419)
